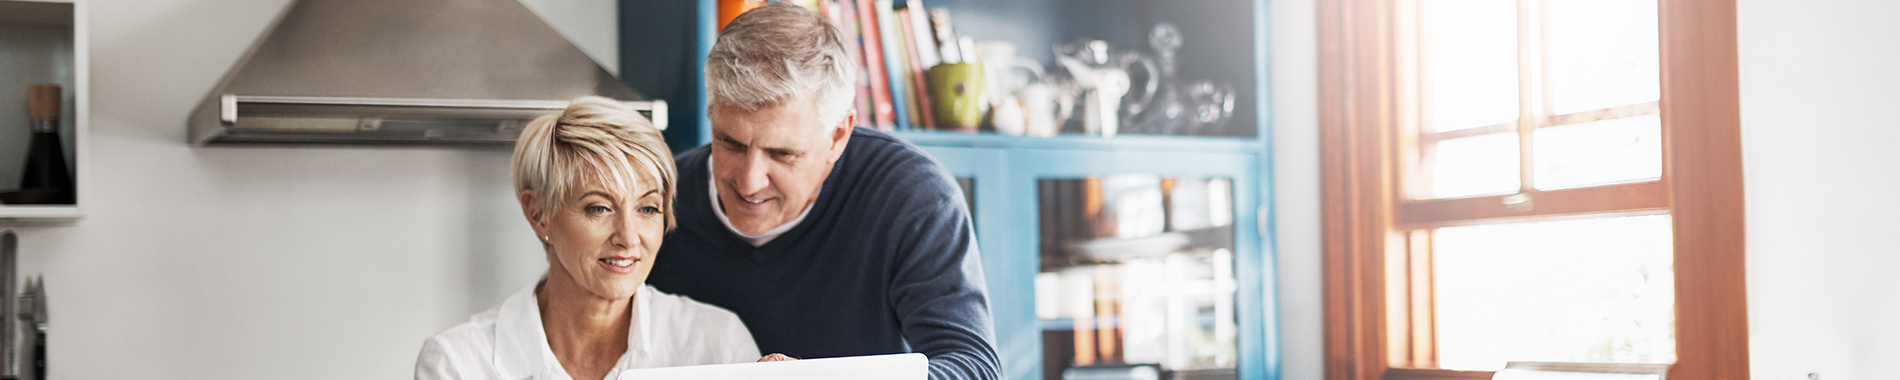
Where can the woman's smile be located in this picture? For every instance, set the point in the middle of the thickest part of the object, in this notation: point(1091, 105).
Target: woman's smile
point(619, 265)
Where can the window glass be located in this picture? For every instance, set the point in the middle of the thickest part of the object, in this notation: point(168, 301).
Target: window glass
point(1606, 151)
point(1593, 290)
point(1604, 53)
point(1484, 164)
point(1472, 62)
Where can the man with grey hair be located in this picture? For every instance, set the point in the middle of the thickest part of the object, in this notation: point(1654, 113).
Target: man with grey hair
point(827, 240)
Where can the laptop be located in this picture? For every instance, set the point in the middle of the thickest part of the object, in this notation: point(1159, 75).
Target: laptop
point(912, 366)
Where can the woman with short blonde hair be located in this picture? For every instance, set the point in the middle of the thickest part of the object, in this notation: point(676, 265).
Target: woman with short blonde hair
point(595, 183)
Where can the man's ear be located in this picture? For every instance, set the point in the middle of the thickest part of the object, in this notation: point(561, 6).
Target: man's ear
point(841, 134)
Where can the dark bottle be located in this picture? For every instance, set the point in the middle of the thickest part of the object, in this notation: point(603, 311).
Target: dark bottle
point(46, 172)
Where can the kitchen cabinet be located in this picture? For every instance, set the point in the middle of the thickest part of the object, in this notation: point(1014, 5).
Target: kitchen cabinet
point(1018, 187)
point(43, 41)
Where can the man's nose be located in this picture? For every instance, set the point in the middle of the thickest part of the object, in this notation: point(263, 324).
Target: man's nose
point(751, 178)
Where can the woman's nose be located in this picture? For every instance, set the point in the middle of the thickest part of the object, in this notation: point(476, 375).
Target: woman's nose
point(623, 236)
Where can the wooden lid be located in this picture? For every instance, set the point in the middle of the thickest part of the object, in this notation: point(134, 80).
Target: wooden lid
point(42, 101)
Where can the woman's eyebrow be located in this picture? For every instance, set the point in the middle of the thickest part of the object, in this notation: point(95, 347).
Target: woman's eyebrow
point(602, 194)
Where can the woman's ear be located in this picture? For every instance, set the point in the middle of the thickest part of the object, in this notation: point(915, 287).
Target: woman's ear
point(534, 214)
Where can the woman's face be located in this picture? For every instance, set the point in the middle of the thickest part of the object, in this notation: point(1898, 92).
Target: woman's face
point(603, 240)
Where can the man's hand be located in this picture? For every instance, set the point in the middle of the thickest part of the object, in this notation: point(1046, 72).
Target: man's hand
point(777, 358)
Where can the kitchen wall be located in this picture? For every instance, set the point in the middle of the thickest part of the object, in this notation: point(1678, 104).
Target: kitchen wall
point(1296, 206)
point(1821, 153)
point(293, 263)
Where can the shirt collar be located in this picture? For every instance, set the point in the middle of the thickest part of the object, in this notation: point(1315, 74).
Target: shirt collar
point(521, 343)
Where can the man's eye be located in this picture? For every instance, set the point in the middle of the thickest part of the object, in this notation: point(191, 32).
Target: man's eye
point(650, 210)
point(598, 210)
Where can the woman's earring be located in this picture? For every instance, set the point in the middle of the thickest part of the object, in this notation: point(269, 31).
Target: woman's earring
point(545, 238)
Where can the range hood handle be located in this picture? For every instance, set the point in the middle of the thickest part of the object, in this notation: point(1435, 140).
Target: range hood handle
point(229, 105)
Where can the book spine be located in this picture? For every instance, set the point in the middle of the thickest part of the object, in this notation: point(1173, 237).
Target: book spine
point(844, 17)
point(874, 66)
point(946, 36)
point(906, 56)
point(893, 60)
point(914, 55)
point(927, 50)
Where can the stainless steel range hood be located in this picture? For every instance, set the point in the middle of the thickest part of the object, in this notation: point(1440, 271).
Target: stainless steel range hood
point(402, 71)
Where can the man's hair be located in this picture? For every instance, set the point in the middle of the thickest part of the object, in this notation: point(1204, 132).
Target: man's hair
point(594, 141)
point(778, 51)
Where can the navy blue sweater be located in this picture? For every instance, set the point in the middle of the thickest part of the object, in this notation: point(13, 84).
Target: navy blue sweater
point(885, 263)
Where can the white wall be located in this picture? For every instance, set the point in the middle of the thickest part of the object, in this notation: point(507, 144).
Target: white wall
point(1821, 154)
point(1296, 187)
point(295, 263)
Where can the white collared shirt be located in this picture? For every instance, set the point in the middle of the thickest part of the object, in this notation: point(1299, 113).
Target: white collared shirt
point(508, 342)
point(712, 186)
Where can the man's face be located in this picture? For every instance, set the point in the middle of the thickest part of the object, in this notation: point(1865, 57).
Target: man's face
point(768, 165)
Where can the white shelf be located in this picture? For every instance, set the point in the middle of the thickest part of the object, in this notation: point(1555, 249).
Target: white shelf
point(47, 43)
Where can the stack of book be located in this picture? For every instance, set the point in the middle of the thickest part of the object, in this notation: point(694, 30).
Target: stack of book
point(894, 43)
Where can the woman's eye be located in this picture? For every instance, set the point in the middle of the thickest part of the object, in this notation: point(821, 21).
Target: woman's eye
point(650, 210)
point(597, 210)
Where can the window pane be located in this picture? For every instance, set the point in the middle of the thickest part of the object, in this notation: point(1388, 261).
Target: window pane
point(1473, 62)
point(1604, 54)
point(1484, 164)
point(1606, 151)
point(1595, 290)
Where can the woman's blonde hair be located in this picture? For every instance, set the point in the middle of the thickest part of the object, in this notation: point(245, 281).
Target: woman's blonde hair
point(595, 140)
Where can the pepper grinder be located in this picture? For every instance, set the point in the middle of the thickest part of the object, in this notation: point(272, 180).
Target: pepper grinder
point(45, 180)
point(22, 318)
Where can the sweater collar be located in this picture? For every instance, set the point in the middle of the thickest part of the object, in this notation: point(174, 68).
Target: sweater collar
point(698, 214)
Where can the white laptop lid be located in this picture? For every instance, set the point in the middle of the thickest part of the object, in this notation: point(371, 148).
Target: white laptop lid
point(911, 366)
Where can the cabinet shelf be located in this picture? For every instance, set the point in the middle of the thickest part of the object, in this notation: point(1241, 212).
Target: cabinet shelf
point(46, 42)
point(1148, 143)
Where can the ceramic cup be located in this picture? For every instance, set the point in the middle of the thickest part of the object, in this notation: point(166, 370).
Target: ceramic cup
point(957, 95)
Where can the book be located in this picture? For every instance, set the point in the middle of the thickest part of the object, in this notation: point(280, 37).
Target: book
point(906, 68)
point(946, 35)
point(881, 107)
point(916, 63)
point(927, 49)
point(843, 14)
point(893, 60)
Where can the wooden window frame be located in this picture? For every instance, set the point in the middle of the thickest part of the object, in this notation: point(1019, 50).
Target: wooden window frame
point(1363, 85)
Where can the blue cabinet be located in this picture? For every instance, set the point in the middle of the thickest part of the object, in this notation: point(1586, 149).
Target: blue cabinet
point(1005, 173)
point(1010, 176)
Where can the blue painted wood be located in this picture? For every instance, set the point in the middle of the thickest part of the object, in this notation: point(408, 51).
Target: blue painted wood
point(658, 38)
point(1082, 142)
point(1028, 165)
point(1005, 168)
point(1269, 340)
point(1006, 181)
point(708, 29)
